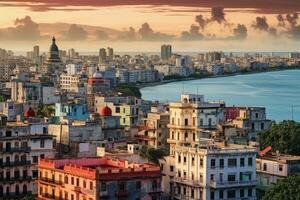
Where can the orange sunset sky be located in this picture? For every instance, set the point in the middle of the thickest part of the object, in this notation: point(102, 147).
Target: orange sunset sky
point(127, 25)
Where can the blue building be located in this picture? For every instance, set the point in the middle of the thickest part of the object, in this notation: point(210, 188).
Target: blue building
point(72, 111)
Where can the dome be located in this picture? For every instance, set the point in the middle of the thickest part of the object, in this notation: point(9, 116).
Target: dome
point(106, 111)
point(29, 113)
point(53, 56)
point(53, 47)
point(97, 75)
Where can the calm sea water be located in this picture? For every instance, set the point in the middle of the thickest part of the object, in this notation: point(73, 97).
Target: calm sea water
point(278, 91)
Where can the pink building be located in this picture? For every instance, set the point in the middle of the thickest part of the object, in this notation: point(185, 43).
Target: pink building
point(97, 178)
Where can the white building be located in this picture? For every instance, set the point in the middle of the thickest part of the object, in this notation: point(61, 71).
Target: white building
point(22, 144)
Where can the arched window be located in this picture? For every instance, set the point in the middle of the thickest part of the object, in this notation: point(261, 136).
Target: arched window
point(66, 180)
point(1, 191)
point(209, 122)
point(16, 158)
point(17, 189)
point(24, 189)
point(7, 191)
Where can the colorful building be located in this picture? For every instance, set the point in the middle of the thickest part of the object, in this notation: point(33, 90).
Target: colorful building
point(72, 111)
point(97, 178)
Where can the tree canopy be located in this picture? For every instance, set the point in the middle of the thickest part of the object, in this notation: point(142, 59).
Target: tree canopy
point(45, 110)
point(283, 137)
point(284, 189)
point(1, 98)
point(129, 90)
point(151, 154)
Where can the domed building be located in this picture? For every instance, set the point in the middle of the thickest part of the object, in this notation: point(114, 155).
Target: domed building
point(106, 111)
point(53, 61)
point(53, 55)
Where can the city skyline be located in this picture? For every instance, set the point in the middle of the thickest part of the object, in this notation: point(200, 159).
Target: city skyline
point(188, 26)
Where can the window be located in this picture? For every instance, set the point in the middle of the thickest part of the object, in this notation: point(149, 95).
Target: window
point(35, 173)
point(231, 162)
point(193, 161)
point(179, 159)
point(103, 186)
point(265, 167)
point(184, 159)
point(221, 163)
point(66, 180)
point(184, 191)
point(72, 180)
point(242, 193)
point(138, 185)
point(91, 185)
point(42, 144)
point(192, 193)
point(231, 194)
point(242, 162)
point(84, 184)
point(201, 162)
point(231, 178)
point(186, 122)
point(77, 182)
point(250, 161)
point(212, 163)
point(221, 195)
point(194, 137)
point(185, 135)
point(212, 195)
point(35, 159)
point(249, 192)
point(42, 156)
point(262, 126)
point(171, 168)
point(280, 167)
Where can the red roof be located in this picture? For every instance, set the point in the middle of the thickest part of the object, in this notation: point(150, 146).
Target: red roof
point(106, 111)
point(29, 113)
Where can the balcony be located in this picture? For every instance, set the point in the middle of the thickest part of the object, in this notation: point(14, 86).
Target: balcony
point(16, 163)
point(215, 184)
point(144, 137)
point(121, 193)
point(49, 181)
point(15, 179)
point(183, 181)
point(16, 149)
point(13, 195)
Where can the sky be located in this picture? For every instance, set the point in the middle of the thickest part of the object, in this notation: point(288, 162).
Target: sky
point(144, 25)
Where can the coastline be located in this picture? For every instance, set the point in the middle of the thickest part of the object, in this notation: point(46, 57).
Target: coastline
point(143, 85)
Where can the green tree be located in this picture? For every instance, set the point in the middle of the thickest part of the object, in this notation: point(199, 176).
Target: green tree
point(287, 189)
point(283, 137)
point(1, 98)
point(151, 154)
point(129, 90)
point(45, 110)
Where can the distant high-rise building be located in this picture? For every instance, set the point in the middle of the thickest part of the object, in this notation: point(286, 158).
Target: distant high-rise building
point(71, 53)
point(166, 52)
point(213, 56)
point(110, 53)
point(102, 56)
point(295, 55)
point(36, 51)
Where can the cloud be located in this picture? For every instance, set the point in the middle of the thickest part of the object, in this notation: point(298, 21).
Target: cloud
point(128, 35)
point(281, 21)
point(240, 32)
point(261, 24)
point(193, 34)
point(24, 29)
point(75, 32)
point(101, 35)
point(201, 21)
point(218, 15)
point(146, 33)
point(265, 6)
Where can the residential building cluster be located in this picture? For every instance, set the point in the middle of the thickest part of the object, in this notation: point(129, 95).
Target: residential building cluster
point(72, 129)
